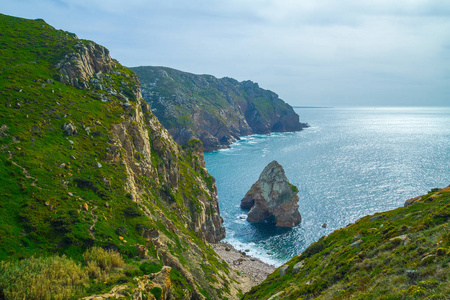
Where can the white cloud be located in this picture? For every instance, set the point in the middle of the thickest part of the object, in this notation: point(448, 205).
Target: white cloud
point(310, 52)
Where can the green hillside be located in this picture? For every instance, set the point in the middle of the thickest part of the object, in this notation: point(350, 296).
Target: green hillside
point(398, 254)
point(86, 166)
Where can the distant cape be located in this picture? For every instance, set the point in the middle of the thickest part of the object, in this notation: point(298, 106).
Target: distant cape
point(216, 111)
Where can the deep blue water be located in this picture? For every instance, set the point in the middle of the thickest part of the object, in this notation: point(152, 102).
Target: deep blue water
point(350, 163)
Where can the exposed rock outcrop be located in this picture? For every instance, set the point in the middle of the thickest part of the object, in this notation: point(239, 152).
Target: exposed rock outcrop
point(78, 67)
point(141, 135)
point(272, 198)
point(216, 111)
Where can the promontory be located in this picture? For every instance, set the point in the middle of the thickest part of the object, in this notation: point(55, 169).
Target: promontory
point(216, 111)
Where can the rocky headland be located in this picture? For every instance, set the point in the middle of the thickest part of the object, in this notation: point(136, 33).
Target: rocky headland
point(216, 111)
point(272, 198)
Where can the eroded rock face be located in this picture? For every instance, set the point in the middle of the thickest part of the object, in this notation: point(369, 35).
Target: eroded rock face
point(272, 198)
point(140, 136)
point(78, 67)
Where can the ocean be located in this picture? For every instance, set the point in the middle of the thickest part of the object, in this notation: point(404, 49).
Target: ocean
point(350, 162)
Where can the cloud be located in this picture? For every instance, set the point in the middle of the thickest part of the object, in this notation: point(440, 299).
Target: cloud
point(321, 52)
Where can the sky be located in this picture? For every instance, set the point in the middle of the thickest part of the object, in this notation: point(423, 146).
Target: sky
point(309, 52)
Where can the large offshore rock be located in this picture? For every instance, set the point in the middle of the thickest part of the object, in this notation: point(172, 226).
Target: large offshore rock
point(272, 198)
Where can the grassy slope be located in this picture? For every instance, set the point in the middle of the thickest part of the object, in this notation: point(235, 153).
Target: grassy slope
point(42, 170)
point(382, 266)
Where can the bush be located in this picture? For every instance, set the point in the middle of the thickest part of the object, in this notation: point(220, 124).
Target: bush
point(132, 211)
point(105, 260)
point(42, 278)
point(314, 248)
point(150, 268)
point(157, 292)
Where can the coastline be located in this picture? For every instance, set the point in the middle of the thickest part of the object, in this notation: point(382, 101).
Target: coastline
point(252, 270)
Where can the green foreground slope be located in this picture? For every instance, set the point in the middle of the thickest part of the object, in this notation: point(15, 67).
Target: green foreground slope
point(398, 254)
point(84, 163)
point(216, 111)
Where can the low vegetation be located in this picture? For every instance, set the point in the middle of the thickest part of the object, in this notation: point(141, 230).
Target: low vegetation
point(59, 277)
point(398, 254)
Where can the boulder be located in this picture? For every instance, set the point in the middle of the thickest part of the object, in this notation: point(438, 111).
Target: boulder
point(272, 198)
point(283, 270)
point(142, 251)
point(69, 128)
point(412, 201)
point(297, 267)
point(356, 244)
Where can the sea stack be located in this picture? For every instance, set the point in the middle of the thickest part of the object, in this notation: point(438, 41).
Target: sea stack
point(272, 198)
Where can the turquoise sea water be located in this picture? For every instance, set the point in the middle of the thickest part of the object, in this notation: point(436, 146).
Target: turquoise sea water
point(350, 163)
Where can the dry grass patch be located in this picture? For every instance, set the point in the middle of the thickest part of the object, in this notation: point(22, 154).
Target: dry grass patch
point(42, 278)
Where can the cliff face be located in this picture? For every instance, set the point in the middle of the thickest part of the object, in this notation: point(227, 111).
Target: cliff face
point(398, 254)
point(216, 111)
point(86, 163)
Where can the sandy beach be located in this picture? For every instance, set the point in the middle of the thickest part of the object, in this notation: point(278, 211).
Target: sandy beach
point(253, 271)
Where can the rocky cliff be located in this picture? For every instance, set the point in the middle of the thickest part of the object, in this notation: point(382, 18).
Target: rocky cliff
point(86, 163)
point(216, 111)
point(272, 198)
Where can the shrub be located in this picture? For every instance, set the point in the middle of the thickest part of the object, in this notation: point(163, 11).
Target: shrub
point(150, 268)
point(106, 260)
point(132, 211)
point(157, 292)
point(42, 278)
point(314, 248)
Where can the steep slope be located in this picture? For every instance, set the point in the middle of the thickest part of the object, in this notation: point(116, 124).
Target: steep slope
point(84, 162)
point(216, 111)
point(398, 254)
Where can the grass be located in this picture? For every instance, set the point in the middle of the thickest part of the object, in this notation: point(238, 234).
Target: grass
point(404, 254)
point(42, 278)
point(60, 277)
point(100, 262)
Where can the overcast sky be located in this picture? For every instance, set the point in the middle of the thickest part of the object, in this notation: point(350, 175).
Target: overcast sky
point(310, 52)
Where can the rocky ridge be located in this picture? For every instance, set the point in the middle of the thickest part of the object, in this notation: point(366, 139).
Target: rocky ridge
point(272, 198)
point(216, 111)
point(87, 163)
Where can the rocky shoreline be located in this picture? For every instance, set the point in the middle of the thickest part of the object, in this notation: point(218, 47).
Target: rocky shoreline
point(252, 270)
